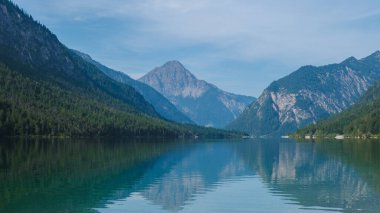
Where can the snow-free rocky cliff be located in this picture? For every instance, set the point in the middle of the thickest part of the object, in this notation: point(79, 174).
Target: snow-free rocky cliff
point(308, 95)
point(202, 102)
point(163, 106)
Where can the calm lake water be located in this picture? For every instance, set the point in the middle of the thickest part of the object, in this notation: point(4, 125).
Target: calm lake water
point(108, 175)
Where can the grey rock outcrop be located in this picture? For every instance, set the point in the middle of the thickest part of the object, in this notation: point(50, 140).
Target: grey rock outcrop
point(202, 102)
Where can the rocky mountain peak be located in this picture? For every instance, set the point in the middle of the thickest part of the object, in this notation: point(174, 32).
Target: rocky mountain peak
point(163, 106)
point(308, 95)
point(173, 79)
point(174, 64)
point(377, 53)
point(374, 59)
point(351, 59)
point(202, 102)
point(374, 56)
point(173, 70)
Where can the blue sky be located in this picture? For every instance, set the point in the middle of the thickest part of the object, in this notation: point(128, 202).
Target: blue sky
point(239, 45)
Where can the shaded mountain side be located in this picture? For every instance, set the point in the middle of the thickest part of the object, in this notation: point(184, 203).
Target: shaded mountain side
point(309, 95)
point(166, 109)
point(362, 119)
point(30, 48)
point(31, 107)
point(46, 89)
point(202, 102)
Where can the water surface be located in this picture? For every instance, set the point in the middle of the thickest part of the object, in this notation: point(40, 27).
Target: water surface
point(110, 175)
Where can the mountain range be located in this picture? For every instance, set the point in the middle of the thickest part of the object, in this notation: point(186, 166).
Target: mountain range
point(362, 119)
point(164, 107)
point(201, 101)
point(47, 89)
point(309, 95)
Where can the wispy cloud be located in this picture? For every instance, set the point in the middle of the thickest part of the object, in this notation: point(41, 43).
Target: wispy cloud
point(206, 34)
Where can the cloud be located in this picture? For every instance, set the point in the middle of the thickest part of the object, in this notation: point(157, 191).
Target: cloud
point(245, 29)
point(208, 33)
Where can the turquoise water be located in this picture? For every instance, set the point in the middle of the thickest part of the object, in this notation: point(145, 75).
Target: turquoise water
point(110, 175)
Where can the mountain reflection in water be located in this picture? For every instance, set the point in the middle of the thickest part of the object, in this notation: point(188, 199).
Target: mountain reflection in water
point(109, 175)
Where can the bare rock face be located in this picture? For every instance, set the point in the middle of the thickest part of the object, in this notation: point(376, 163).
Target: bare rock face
point(308, 95)
point(173, 80)
point(163, 106)
point(202, 102)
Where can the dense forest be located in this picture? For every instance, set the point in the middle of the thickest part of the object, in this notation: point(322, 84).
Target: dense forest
point(159, 102)
point(361, 120)
point(30, 107)
point(47, 90)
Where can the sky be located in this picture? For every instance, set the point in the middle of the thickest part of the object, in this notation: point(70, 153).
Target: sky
point(241, 46)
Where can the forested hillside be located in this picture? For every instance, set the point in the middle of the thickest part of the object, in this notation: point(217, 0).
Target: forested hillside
point(30, 107)
point(159, 102)
point(308, 95)
point(361, 120)
point(46, 89)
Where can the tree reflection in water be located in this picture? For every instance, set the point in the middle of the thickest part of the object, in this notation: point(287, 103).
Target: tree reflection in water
point(87, 175)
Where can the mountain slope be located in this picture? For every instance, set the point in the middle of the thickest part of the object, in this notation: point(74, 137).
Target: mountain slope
point(46, 89)
point(308, 95)
point(32, 49)
point(160, 103)
point(202, 102)
point(362, 119)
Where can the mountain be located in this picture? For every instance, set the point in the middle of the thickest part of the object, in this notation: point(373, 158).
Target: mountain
point(308, 95)
point(46, 89)
point(164, 107)
point(202, 102)
point(362, 119)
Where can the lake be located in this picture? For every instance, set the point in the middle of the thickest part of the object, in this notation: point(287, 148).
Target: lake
point(117, 175)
